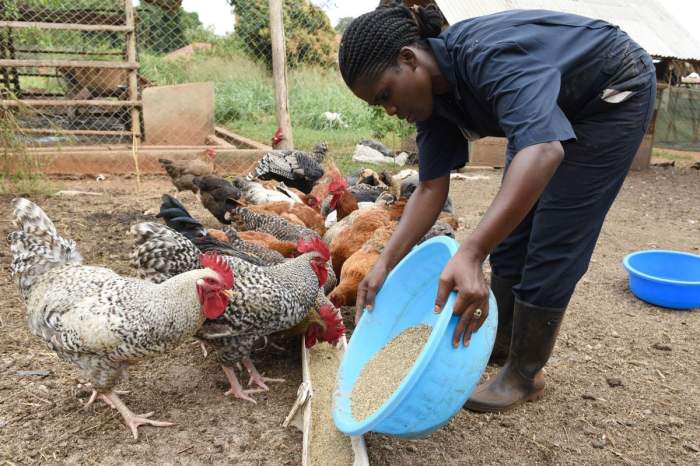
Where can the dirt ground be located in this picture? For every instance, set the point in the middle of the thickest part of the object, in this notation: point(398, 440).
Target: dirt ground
point(652, 418)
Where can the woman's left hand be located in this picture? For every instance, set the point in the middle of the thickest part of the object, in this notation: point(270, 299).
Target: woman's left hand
point(463, 274)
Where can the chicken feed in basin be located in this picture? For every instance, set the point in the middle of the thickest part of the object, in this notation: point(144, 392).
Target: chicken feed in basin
point(401, 375)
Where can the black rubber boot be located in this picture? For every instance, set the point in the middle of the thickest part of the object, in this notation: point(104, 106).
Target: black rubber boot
point(503, 291)
point(535, 330)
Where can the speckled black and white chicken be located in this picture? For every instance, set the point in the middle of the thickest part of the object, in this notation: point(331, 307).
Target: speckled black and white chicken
point(245, 219)
point(103, 322)
point(179, 219)
point(265, 300)
point(297, 169)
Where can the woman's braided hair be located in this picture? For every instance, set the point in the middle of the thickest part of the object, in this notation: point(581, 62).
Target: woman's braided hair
point(373, 41)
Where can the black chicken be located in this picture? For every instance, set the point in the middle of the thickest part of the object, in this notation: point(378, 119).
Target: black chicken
point(179, 219)
point(217, 195)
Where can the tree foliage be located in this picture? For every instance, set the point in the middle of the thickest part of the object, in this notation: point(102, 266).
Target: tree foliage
point(309, 36)
point(343, 24)
point(162, 24)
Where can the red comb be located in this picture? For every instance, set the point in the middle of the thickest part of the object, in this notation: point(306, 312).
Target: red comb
point(335, 328)
point(316, 245)
point(216, 263)
point(337, 184)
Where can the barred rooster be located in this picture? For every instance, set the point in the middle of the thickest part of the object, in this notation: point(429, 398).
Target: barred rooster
point(265, 300)
point(245, 219)
point(295, 168)
point(99, 320)
point(244, 247)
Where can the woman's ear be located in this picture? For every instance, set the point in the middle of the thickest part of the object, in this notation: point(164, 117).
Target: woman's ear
point(408, 57)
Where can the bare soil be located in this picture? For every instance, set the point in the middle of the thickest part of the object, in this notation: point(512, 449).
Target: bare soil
point(650, 415)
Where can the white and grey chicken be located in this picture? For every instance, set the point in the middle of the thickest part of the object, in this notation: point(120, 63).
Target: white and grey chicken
point(255, 193)
point(103, 322)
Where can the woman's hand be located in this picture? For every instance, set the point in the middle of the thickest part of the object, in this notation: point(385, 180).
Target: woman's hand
point(369, 287)
point(463, 274)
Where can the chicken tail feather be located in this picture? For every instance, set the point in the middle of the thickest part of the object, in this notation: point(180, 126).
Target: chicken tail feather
point(36, 247)
point(179, 219)
point(160, 253)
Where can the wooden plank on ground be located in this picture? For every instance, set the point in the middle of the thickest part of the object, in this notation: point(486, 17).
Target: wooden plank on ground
point(122, 147)
point(238, 140)
point(119, 162)
point(217, 141)
point(489, 151)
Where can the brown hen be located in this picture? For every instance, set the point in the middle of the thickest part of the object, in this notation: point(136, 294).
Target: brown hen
point(352, 237)
point(358, 265)
point(182, 172)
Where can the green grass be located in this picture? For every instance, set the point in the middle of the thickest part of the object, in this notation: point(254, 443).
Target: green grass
point(669, 156)
point(245, 99)
point(37, 184)
point(20, 170)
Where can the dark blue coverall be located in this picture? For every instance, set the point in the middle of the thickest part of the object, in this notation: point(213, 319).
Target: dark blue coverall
point(536, 76)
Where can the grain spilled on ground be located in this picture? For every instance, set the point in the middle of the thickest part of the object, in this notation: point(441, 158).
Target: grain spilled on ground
point(328, 445)
point(385, 371)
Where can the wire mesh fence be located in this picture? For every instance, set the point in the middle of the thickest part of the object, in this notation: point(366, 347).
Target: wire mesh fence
point(127, 73)
point(678, 118)
point(124, 72)
point(64, 68)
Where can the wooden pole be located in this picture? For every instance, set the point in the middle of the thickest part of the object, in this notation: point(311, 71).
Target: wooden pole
point(69, 63)
point(5, 52)
point(279, 72)
point(73, 132)
point(68, 103)
point(63, 26)
point(13, 72)
point(68, 52)
point(133, 86)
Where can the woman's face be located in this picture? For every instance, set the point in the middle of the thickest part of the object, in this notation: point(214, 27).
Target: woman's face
point(404, 90)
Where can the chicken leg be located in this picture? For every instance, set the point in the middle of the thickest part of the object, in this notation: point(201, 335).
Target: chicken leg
point(236, 390)
point(202, 345)
point(256, 377)
point(132, 421)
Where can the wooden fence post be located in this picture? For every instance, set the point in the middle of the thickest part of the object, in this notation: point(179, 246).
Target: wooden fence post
point(133, 87)
point(279, 72)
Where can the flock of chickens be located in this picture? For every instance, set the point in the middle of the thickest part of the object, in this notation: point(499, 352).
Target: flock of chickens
point(297, 238)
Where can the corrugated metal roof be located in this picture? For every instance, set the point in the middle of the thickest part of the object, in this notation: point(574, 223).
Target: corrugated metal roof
point(646, 21)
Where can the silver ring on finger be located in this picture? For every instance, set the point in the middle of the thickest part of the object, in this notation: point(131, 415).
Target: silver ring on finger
point(477, 314)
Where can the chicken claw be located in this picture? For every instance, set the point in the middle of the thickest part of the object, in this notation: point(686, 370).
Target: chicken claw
point(256, 377)
point(132, 421)
point(236, 390)
point(93, 397)
point(201, 344)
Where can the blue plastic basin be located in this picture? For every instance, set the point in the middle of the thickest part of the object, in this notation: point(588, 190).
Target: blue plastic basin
point(665, 278)
point(442, 378)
